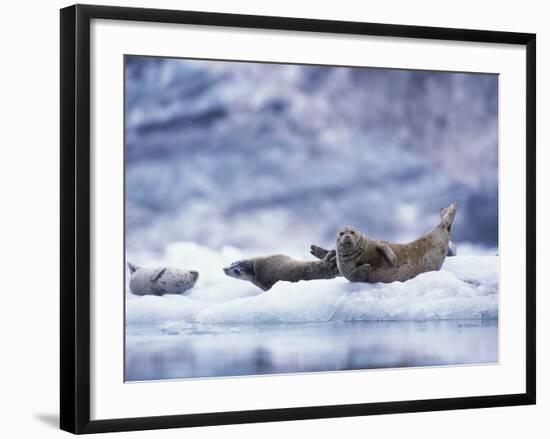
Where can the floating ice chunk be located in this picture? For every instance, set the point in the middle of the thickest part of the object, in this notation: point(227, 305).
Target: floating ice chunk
point(478, 271)
point(465, 288)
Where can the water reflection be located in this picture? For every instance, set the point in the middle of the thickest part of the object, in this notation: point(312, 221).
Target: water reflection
point(202, 350)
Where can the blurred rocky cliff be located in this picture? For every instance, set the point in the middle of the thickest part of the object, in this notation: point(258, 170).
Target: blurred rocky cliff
point(253, 155)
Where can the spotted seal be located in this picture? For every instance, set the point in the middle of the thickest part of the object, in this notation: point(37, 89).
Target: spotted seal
point(160, 281)
point(363, 259)
point(266, 271)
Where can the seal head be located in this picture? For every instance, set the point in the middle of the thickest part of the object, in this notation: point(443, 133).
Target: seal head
point(243, 270)
point(348, 238)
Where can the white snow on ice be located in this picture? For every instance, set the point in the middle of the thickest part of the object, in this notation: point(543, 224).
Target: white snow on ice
point(465, 288)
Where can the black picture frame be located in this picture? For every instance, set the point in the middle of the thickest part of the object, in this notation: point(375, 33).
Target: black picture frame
point(75, 217)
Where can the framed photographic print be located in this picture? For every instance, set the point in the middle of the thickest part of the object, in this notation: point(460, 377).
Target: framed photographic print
point(304, 218)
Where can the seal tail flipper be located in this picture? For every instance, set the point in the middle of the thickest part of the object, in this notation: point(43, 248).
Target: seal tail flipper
point(318, 252)
point(448, 215)
point(132, 267)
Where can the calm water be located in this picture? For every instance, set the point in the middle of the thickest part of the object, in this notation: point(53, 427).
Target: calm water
point(203, 350)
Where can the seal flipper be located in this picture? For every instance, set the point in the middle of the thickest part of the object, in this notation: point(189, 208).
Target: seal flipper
point(330, 257)
point(132, 267)
point(361, 273)
point(448, 215)
point(318, 252)
point(388, 252)
point(263, 287)
point(157, 274)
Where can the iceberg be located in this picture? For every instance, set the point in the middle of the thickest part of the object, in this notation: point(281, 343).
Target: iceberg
point(465, 288)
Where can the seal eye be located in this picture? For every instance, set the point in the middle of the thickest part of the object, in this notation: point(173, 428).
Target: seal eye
point(352, 232)
point(341, 233)
point(237, 272)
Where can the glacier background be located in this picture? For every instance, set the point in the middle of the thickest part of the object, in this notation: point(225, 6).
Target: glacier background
point(274, 157)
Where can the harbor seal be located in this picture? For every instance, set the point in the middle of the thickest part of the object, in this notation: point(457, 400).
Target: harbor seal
point(320, 252)
point(363, 259)
point(266, 271)
point(159, 281)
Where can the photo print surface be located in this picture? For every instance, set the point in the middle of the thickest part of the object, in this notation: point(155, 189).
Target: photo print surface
point(284, 218)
